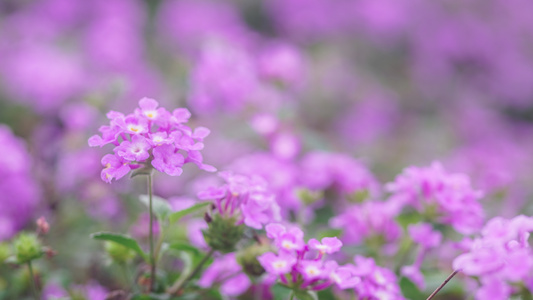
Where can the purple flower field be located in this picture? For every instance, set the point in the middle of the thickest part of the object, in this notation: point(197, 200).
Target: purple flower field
point(276, 149)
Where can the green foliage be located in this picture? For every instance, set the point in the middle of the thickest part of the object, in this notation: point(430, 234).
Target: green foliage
point(5, 252)
point(160, 206)
point(410, 290)
point(223, 235)
point(176, 216)
point(27, 247)
point(119, 253)
point(121, 239)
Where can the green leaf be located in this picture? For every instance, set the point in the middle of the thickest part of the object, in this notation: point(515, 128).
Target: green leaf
point(151, 297)
point(305, 295)
point(180, 246)
point(176, 216)
point(410, 290)
point(280, 292)
point(121, 239)
point(160, 206)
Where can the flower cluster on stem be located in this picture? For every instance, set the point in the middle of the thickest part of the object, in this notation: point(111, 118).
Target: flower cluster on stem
point(150, 137)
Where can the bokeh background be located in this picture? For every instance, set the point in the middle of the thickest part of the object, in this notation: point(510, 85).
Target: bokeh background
point(391, 82)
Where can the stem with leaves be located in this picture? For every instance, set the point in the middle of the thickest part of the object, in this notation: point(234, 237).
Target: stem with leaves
point(151, 236)
point(33, 284)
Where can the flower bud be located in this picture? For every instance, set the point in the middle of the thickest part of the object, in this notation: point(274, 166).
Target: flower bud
point(248, 259)
point(309, 197)
point(27, 247)
point(4, 252)
point(42, 226)
point(223, 234)
point(118, 253)
point(358, 196)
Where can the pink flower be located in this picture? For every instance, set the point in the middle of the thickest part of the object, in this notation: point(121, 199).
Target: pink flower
point(424, 235)
point(151, 136)
point(328, 245)
point(167, 160)
point(277, 265)
point(115, 167)
point(136, 150)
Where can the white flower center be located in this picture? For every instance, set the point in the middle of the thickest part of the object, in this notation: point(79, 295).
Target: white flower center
point(280, 264)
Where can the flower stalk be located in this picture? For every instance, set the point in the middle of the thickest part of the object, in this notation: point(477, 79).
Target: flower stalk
point(151, 235)
point(33, 284)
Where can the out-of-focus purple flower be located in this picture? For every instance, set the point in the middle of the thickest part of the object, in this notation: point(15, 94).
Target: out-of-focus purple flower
point(20, 192)
point(322, 170)
point(246, 198)
point(501, 255)
point(150, 135)
point(366, 220)
point(328, 245)
point(424, 235)
point(277, 264)
point(376, 282)
point(223, 79)
point(189, 24)
point(42, 77)
point(493, 288)
point(53, 291)
point(448, 197)
point(226, 271)
point(282, 63)
point(414, 274)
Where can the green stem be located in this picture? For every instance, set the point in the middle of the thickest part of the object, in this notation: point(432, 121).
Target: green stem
point(292, 296)
point(127, 275)
point(33, 284)
point(151, 236)
point(180, 284)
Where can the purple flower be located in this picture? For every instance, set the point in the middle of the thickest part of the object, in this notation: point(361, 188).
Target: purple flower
point(328, 245)
point(414, 274)
point(246, 198)
point(376, 282)
point(424, 235)
point(367, 220)
point(277, 265)
point(136, 150)
point(293, 264)
point(226, 271)
point(19, 190)
point(167, 160)
point(433, 190)
point(151, 135)
point(114, 168)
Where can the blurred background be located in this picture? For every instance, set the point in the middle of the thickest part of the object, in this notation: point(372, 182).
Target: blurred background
point(391, 82)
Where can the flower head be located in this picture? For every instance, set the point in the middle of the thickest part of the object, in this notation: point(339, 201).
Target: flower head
point(150, 137)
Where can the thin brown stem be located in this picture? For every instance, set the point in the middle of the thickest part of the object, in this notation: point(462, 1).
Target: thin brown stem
point(443, 284)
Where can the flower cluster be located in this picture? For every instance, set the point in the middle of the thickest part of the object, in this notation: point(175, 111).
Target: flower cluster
point(322, 170)
point(375, 282)
point(20, 193)
point(302, 266)
point(427, 238)
point(245, 199)
point(226, 270)
point(150, 136)
point(367, 220)
point(438, 194)
point(500, 257)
